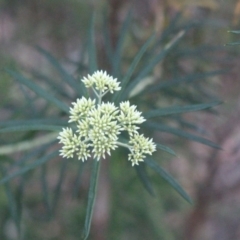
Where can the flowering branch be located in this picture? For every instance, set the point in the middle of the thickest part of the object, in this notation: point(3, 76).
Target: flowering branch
point(98, 125)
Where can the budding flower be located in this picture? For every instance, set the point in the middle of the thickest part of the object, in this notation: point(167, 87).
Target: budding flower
point(98, 125)
point(102, 82)
point(81, 108)
point(129, 117)
point(140, 146)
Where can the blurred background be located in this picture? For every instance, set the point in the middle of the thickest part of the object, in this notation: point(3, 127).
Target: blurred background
point(124, 210)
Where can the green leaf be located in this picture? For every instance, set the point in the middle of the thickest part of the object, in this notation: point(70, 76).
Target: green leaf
point(184, 96)
point(91, 198)
point(189, 125)
point(107, 37)
point(132, 67)
point(19, 199)
point(71, 81)
point(34, 122)
point(29, 167)
point(234, 31)
point(12, 203)
point(166, 176)
point(180, 133)
point(29, 104)
point(47, 140)
point(165, 148)
point(45, 189)
point(118, 52)
point(180, 80)
point(151, 64)
point(167, 32)
point(57, 190)
point(33, 153)
point(77, 183)
point(232, 43)
point(179, 109)
point(39, 91)
point(32, 127)
point(92, 52)
point(142, 174)
point(55, 85)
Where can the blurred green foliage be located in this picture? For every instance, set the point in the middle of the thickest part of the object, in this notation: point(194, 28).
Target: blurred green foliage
point(40, 192)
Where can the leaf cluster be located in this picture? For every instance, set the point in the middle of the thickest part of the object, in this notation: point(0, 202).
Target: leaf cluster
point(42, 148)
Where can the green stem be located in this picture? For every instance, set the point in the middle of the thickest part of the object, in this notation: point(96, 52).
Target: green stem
point(103, 94)
point(95, 92)
point(123, 145)
point(91, 198)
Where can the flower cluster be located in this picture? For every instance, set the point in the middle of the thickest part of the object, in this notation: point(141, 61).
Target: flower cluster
point(99, 124)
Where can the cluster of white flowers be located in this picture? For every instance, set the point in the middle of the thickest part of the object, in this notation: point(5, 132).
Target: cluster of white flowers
point(98, 125)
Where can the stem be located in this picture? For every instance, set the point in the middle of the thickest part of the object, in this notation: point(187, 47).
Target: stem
point(100, 95)
point(123, 145)
point(99, 99)
point(91, 198)
point(95, 92)
point(103, 94)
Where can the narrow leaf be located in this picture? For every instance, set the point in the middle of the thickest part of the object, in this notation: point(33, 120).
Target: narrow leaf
point(29, 167)
point(57, 190)
point(133, 66)
point(29, 105)
point(169, 30)
point(190, 125)
point(19, 199)
point(57, 86)
point(180, 80)
point(166, 149)
point(232, 43)
point(179, 109)
point(151, 64)
point(92, 52)
point(234, 31)
point(181, 133)
point(33, 153)
point(142, 174)
point(47, 139)
point(107, 38)
point(52, 121)
point(45, 189)
point(91, 198)
point(39, 91)
point(12, 203)
point(118, 52)
point(32, 127)
point(71, 81)
point(166, 176)
point(78, 179)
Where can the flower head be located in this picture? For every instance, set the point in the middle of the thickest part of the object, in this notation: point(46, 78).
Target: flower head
point(129, 117)
point(102, 82)
point(99, 124)
point(104, 132)
point(72, 144)
point(140, 146)
point(81, 108)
